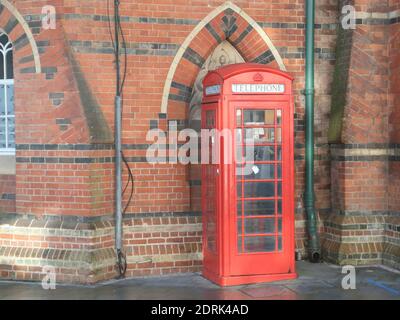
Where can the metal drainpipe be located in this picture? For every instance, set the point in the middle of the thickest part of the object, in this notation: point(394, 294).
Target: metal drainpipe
point(118, 148)
point(309, 196)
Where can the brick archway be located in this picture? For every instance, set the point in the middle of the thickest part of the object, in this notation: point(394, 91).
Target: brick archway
point(25, 49)
point(226, 23)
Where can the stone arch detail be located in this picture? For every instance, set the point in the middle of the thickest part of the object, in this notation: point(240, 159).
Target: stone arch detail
point(13, 24)
point(223, 54)
point(225, 23)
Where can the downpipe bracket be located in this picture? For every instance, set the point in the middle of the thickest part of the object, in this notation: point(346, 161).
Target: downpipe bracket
point(308, 92)
point(122, 264)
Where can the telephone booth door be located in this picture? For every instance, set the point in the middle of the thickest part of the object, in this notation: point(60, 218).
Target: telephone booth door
point(248, 202)
point(259, 226)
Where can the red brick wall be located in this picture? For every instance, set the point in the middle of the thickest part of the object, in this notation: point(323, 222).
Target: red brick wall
point(141, 108)
point(56, 107)
point(359, 183)
point(7, 193)
point(365, 169)
point(394, 119)
point(58, 173)
point(366, 113)
point(395, 82)
point(394, 5)
point(65, 182)
point(64, 157)
point(394, 46)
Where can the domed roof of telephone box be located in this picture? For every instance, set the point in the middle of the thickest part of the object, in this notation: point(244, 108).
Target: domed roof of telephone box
point(231, 70)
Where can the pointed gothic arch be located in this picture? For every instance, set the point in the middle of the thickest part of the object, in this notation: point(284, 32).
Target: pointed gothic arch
point(222, 55)
point(225, 23)
point(20, 37)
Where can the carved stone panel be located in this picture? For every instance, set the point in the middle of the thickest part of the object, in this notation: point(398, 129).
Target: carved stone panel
point(223, 55)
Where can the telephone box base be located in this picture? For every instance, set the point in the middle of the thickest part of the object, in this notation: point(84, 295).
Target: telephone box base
point(249, 279)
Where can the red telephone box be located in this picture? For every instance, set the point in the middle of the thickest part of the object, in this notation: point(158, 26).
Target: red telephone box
point(248, 203)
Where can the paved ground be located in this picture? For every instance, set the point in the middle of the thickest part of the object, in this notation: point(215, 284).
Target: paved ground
point(316, 281)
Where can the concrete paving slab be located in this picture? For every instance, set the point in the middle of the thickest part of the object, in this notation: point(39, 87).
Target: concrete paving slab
point(315, 281)
point(267, 291)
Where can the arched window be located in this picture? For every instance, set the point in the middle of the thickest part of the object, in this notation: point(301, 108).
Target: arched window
point(7, 116)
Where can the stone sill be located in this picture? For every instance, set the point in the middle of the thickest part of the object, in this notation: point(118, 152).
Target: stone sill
point(7, 164)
